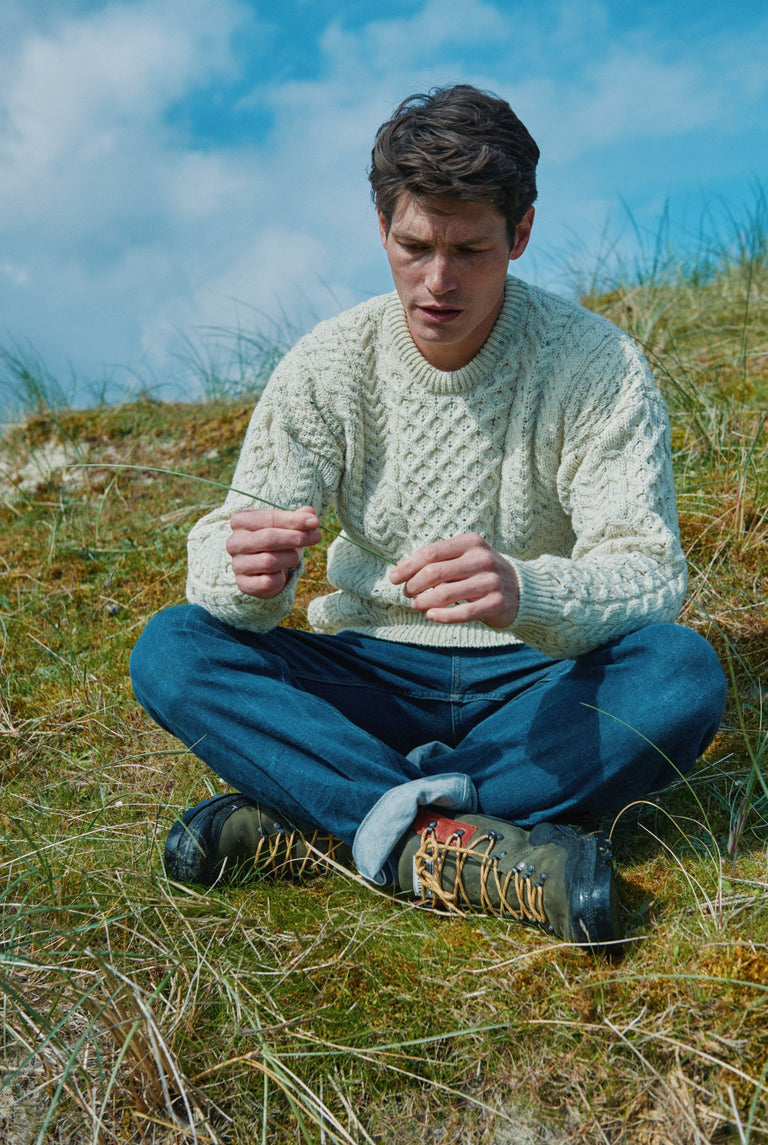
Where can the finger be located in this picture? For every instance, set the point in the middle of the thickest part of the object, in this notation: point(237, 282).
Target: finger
point(476, 563)
point(255, 519)
point(436, 554)
point(456, 591)
point(432, 575)
point(475, 610)
point(263, 587)
point(266, 563)
point(270, 540)
point(492, 608)
point(459, 613)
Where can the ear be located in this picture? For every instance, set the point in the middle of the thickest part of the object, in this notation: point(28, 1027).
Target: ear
point(383, 228)
point(522, 234)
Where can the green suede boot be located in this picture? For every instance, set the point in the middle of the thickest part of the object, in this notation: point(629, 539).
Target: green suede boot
point(230, 836)
point(554, 877)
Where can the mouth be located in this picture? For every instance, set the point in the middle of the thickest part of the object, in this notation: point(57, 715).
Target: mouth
point(439, 314)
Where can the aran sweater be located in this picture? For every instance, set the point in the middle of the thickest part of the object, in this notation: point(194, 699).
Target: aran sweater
point(552, 444)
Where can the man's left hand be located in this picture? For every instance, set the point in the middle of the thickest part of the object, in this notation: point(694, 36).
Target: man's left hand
point(458, 580)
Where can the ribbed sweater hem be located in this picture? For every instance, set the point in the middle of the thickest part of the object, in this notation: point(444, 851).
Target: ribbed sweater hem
point(435, 635)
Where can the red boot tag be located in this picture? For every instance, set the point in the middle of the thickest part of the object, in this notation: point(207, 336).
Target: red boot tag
point(444, 829)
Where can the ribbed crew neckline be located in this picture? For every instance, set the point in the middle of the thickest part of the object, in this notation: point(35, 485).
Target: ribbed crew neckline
point(507, 325)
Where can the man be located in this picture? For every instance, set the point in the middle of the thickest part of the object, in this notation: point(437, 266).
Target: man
point(497, 664)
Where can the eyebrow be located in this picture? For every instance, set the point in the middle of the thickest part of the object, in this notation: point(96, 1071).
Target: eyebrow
point(407, 236)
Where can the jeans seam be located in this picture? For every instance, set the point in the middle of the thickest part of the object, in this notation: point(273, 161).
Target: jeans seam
point(438, 697)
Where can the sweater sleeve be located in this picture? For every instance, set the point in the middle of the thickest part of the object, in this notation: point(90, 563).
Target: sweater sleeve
point(615, 482)
point(292, 456)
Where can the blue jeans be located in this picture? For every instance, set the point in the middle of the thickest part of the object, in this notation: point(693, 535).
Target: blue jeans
point(331, 730)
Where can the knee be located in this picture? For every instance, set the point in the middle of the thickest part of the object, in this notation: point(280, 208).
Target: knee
point(159, 655)
point(682, 676)
point(679, 653)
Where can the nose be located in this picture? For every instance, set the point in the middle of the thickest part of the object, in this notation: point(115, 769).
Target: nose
point(440, 276)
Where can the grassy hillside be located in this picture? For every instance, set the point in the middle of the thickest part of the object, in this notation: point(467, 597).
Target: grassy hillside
point(137, 1011)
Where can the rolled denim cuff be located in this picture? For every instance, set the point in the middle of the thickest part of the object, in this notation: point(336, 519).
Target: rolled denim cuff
point(392, 815)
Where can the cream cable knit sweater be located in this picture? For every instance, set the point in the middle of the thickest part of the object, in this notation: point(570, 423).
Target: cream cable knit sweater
point(553, 444)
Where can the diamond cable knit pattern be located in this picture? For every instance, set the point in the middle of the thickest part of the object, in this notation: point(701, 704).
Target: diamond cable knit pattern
point(552, 443)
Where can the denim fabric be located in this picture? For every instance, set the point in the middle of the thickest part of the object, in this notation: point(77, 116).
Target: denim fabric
point(391, 816)
point(322, 727)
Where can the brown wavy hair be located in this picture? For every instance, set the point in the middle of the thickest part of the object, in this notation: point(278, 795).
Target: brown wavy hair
point(455, 142)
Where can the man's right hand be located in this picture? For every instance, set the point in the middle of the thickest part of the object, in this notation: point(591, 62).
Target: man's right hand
point(266, 546)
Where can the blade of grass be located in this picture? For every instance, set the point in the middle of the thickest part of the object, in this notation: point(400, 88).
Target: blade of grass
point(229, 489)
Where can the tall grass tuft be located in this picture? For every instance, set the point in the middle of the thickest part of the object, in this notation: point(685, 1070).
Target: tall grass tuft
point(234, 363)
point(28, 384)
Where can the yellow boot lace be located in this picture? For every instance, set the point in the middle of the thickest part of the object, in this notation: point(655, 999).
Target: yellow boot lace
point(293, 854)
point(510, 895)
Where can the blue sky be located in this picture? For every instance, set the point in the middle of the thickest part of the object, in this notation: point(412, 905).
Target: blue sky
point(167, 166)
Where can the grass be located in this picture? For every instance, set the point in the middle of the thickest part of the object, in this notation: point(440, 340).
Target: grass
point(136, 1011)
point(235, 362)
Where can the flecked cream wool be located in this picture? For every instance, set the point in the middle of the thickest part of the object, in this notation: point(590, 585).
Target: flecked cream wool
point(552, 444)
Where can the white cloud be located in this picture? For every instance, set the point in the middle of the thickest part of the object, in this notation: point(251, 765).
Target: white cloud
point(634, 96)
point(116, 228)
point(262, 281)
point(17, 274)
point(98, 197)
point(83, 133)
point(407, 44)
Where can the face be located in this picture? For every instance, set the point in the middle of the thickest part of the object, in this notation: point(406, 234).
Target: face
point(449, 263)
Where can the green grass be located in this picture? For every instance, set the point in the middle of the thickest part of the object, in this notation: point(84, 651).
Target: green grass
point(139, 1012)
point(235, 362)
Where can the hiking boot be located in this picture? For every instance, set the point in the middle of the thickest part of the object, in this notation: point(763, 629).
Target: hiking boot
point(230, 835)
point(555, 877)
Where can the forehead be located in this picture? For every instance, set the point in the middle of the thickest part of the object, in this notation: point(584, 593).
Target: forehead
point(447, 216)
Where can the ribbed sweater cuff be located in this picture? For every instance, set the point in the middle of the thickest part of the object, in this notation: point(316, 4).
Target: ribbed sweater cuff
point(540, 606)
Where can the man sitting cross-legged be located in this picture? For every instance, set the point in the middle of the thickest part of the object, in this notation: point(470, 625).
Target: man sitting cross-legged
point(498, 663)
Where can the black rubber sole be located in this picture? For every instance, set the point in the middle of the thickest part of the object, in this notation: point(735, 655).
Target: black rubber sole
point(192, 847)
point(591, 885)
